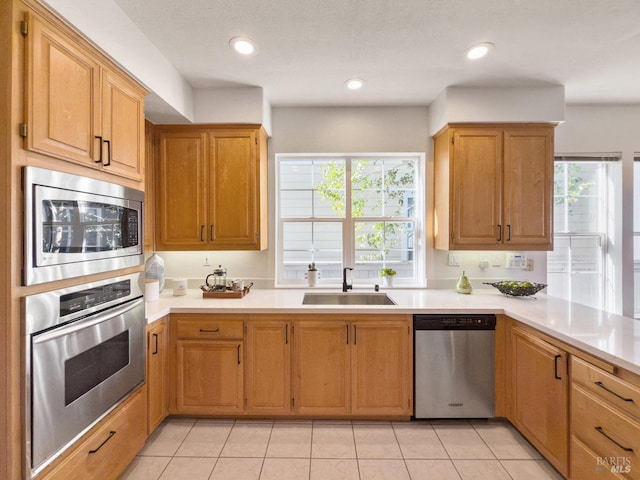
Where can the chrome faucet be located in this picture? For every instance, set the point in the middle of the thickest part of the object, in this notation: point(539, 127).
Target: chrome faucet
point(345, 285)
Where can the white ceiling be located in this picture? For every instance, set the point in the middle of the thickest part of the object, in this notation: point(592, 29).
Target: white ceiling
point(408, 51)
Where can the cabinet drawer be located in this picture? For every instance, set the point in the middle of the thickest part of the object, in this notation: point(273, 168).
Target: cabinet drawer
point(208, 327)
point(606, 430)
point(587, 465)
point(107, 451)
point(616, 391)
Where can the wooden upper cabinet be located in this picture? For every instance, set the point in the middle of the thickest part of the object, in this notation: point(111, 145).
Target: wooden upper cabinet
point(181, 191)
point(493, 187)
point(212, 190)
point(80, 108)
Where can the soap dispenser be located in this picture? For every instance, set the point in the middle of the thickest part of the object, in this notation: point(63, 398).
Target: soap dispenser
point(464, 285)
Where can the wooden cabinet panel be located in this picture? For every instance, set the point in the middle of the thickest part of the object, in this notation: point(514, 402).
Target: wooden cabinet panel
point(268, 367)
point(528, 187)
point(63, 82)
point(149, 188)
point(181, 192)
point(107, 451)
point(493, 187)
point(540, 395)
point(380, 360)
point(80, 107)
point(321, 368)
point(477, 179)
point(122, 126)
point(233, 205)
point(605, 430)
point(204, 326)
point(209, 377)
point(586, 465)
point(214, 179)
point(157, 374)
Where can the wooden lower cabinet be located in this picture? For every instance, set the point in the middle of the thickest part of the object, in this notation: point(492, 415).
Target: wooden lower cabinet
point(268, 366)
point(157, 381)
point(352, 366)
point(539, 392)
point(109, 448)
point(207, 352)
point(381, 368)
point(321, 367)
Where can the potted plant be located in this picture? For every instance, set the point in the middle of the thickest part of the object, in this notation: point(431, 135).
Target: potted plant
point(387, 275)
point(312, 274)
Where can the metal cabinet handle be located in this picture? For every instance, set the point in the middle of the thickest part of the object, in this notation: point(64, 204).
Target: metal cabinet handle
point(99, 159)
point(600, 430)
point(155, 351)
point(347, 327)
point(95, 450)
point(202, 233)
point(499, 233)
point(238, 354)
point(602, 385)
point(108, 142)
point(204, 330)
point(355, 334)
point(286, 334)
point(211, 233)
point(508, 232)
point(555, 367)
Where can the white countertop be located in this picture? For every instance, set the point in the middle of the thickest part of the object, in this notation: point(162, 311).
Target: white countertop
point(611, 337)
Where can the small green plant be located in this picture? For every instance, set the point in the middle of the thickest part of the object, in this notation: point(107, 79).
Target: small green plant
point(387, 272)
point(312, 267)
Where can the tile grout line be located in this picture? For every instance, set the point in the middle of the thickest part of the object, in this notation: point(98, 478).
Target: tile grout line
point(404, 460)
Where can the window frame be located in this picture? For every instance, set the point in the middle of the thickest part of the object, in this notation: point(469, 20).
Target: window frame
point(348, 221)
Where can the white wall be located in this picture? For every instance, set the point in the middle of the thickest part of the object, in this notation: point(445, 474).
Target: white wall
point(610, 128)
point(232, 105)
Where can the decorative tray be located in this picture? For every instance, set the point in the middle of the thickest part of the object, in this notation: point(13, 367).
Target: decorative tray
point(206, 293)
point(517, 289)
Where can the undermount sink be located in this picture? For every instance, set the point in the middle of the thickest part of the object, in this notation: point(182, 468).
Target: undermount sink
point(347, 299)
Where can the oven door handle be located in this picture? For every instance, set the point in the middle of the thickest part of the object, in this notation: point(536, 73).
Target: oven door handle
point(87, 322)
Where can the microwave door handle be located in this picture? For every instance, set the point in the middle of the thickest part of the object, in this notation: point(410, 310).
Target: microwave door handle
point(81, 325)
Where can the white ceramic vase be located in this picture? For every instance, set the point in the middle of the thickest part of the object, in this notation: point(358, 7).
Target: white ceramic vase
point(312, 277)
point(387, 281)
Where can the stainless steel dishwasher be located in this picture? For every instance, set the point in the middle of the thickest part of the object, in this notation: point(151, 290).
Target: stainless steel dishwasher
point(454, 365)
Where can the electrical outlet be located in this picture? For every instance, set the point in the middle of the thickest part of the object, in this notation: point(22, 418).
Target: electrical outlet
point(484, 262)
point(496, 261)
point(529, 267)
point(454, 260)
point(206, 262)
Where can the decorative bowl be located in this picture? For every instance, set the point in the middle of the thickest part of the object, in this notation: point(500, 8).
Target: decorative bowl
point(517, 289)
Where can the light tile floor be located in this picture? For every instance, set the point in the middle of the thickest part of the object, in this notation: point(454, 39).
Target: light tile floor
point(325, 450)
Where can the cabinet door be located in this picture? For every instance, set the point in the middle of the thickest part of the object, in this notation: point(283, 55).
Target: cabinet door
point(540, 396)
point(122, 125)
point(380, 366)
point(63, 95)
point(181, 192)
point(476, 188)
point(157, 375)
point(268, 367)
point(149, 188)
point(528, 183)
point(321, 368)
point(209, 377)
point(233, 190)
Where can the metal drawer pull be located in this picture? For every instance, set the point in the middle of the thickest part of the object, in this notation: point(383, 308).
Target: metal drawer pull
point(555, 367)
point(111, 434)
point(600, 430)
point(499, 233)
point(155, 351)
point(99, 159)
point(203, 330)
point(601, 385)
point(108, 142)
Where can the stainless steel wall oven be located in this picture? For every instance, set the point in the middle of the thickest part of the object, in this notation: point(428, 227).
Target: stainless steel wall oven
point(78, 226)
point(85, 351)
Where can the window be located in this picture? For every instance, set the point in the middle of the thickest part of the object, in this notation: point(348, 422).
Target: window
point(359, 211)
point(575, 268)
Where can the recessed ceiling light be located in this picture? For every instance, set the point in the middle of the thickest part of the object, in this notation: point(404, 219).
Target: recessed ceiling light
point(354, 83)
point(242, 45)
point(479, 50)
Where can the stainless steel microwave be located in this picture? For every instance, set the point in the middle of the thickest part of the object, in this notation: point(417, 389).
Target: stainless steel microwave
point(78, 226)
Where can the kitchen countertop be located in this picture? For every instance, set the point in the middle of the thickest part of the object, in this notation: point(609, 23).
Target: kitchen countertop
point(611, 337)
